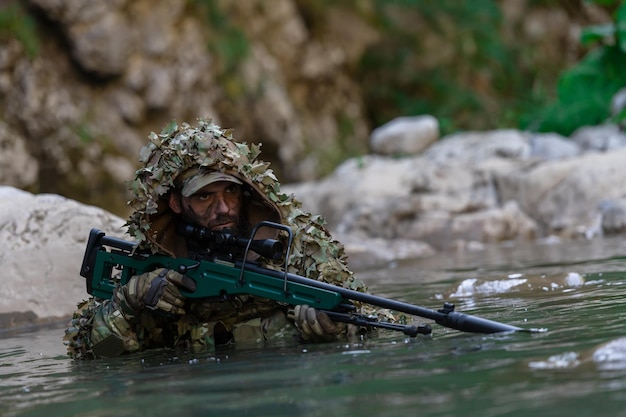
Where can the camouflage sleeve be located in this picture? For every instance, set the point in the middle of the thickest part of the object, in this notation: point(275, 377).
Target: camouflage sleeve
point(98, 329)
point(316, 254)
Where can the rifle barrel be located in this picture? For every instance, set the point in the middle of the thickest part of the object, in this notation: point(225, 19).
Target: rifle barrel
point(451, 319)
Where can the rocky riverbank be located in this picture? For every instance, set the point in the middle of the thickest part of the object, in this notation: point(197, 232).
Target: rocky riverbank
point(472, 188)
point(418, 195)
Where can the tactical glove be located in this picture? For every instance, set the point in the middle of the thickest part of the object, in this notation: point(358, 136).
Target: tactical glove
point(316, 326)
point(156, 290)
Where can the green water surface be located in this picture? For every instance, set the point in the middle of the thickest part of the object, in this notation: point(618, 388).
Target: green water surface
point(576, 368)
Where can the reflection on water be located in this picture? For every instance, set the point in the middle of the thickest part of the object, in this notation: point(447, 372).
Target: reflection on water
point(577, 368)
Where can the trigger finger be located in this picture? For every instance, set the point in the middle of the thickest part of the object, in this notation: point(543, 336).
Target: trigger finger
point(181, 281)
point(188, 284)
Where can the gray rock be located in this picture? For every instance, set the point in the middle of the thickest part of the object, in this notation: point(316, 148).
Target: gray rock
point(599, 138)
point(563, 196)
point(99, 33)
point(356, 182)
point(613, 215)
point(17, 166)
point(42, 241)
point(553, 146)
point(366, 252)
point(618, 102)
point(475, 147)
point(405, 135)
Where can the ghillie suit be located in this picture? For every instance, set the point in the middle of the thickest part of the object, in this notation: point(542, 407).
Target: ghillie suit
point(100, 329)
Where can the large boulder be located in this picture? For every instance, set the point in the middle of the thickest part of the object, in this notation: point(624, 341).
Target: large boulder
point(42, 241)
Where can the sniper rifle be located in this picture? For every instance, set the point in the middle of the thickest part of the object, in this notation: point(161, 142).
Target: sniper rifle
point(223, 272)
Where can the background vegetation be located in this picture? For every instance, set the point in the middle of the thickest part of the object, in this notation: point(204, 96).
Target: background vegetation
point(494, 81)
point(584, 92)
point(15, 23)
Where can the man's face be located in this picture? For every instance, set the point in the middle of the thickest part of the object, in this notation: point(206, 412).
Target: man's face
point(215, 206)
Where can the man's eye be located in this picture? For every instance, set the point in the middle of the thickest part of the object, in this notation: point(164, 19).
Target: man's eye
point(233, 188)
point(203, 196)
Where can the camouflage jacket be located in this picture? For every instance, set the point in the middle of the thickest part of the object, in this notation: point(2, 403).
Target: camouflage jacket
point(98, 328)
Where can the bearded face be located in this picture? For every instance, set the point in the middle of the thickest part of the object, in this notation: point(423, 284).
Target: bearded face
point(216, 206)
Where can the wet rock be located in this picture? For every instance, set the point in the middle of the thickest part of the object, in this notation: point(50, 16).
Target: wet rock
point(611, 356)
point(613, 216)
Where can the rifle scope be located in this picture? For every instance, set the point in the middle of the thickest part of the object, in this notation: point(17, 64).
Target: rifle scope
point(225, 240)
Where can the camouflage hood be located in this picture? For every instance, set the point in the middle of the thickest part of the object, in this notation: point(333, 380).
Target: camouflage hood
point(174, 152)
point(314, 253)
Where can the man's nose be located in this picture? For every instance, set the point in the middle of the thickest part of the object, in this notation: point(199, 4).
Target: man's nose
point(221, 205)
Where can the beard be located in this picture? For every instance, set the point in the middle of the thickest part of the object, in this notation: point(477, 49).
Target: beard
point(189, 216)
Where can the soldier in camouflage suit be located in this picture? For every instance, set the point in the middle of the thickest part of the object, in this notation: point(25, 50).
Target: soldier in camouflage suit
point(190, 172)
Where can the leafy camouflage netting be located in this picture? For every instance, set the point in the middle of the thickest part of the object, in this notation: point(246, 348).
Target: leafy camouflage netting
point(179, 148)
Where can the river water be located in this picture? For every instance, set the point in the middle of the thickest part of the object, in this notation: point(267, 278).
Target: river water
point(576, 368)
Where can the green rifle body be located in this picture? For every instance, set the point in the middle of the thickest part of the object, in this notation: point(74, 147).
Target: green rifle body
point(213, 280)
point(109, 262)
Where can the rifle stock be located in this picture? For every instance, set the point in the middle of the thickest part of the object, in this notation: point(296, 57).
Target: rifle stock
point(109, 262)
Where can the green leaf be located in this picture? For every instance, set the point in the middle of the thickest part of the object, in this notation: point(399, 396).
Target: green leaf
point(596, 33)
point(170, 128)
point(585, 91)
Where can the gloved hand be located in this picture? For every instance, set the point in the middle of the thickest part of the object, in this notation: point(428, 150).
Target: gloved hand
point(314, 325)
point(156, 290)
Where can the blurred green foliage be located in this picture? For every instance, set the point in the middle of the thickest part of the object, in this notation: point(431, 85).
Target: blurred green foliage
point(585, 91)
point(483, 80)
point(16, 23)
point(489, 80)
point(485, 77)
point(228, 43)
